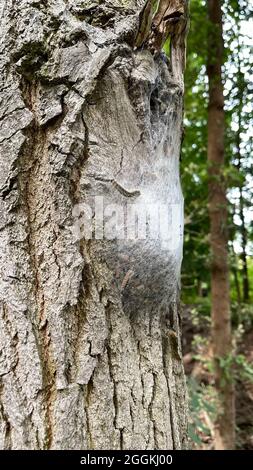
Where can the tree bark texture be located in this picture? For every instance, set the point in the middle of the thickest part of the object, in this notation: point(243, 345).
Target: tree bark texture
point(90, 331)
point(221, 323)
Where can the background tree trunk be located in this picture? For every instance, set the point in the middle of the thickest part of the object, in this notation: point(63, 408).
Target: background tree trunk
point(90, 334)
point(221, 323)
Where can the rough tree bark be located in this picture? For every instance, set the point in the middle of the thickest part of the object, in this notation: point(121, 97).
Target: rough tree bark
point(220, 312)
point(90, 331)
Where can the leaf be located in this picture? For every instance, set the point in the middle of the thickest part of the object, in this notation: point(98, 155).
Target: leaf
point(192, 435)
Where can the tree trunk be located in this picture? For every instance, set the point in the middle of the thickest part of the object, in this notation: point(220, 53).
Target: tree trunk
point(90, 329)
point(221, 325)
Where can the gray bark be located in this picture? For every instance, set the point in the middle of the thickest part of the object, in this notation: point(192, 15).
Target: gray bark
point(90, 352)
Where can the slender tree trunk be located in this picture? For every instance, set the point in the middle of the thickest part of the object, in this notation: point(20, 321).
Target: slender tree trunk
point(221, 326)
point(90, 329)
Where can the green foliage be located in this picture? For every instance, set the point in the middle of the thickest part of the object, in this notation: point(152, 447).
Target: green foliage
point(201, 399)
point(194, 155)
point(166, 47)
point(242, 314)
point(200, 310)
point(235, 367)
point(226, 365)
point(238, 98)
point(238, 176)
point(243, 370)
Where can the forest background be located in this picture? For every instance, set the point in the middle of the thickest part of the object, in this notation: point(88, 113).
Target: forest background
point(237, 172)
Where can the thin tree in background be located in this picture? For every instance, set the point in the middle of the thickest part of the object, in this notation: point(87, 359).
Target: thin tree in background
point(220, 312)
